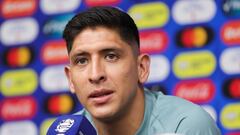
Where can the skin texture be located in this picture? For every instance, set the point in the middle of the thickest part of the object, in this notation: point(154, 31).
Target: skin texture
point(107, 77)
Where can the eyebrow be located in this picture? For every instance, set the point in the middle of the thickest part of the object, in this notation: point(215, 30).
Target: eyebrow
point(102, 51)
point(111, 50)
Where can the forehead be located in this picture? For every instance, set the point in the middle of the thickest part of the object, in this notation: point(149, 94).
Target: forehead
point(91, 33)
point(96, 39)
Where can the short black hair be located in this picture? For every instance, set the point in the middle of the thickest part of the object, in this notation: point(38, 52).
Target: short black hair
point(104, 16)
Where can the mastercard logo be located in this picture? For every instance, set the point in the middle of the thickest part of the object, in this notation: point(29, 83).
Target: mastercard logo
point(231, 8)
point(231, 88)
point(102, 2)
point(45, 125)
point(54, 52)
point(153, 41)
point(18, 82)
point(18, 108)
point(18, 57)
point(230, 116)
point(194, 64)
point(18, 8)
point(230, 33)
point(59, 104)
point(196, 37)
point(149, 15)
point(198, 91)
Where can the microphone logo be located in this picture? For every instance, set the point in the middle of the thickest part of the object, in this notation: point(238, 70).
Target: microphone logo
point(64, 125)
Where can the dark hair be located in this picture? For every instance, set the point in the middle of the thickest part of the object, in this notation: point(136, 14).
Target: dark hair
point(104, 16)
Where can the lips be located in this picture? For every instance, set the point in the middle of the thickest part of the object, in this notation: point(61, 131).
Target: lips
point(101, 96)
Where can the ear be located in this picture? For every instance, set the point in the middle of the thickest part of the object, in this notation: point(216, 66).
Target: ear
point(69, 77)
point(143, 67)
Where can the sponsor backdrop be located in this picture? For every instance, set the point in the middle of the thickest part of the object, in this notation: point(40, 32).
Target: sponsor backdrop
point(194, 47)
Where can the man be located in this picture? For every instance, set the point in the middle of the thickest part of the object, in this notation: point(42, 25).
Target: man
point(107, 73)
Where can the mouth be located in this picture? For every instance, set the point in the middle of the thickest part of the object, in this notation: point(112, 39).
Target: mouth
point(99, 97)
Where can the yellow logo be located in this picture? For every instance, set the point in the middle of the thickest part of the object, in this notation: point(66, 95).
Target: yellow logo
point(230, 116)
point(149, 15)
point(18, 82)
point(194, 64)
point(45, 125)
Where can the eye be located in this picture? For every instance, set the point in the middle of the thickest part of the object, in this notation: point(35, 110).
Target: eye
point(81, 61)
point(111, 57)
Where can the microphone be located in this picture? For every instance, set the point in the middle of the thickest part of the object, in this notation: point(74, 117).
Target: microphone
point(71, 125)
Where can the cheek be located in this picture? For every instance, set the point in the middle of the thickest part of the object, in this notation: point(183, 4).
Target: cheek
point(81, 95)
point(126, 83)
point(130, 72)
point(124, 75)
point(79, 82)
point(79, 77)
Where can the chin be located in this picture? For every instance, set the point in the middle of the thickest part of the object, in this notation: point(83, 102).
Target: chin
point(104, 116)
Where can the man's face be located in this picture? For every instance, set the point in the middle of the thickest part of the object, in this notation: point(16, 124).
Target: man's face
point(103, 72)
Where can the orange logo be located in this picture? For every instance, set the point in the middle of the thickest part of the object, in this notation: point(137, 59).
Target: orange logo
point(230, 33)
point(16, 8)
point(54, 52)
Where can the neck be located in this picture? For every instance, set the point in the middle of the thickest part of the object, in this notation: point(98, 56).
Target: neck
point(128, 122)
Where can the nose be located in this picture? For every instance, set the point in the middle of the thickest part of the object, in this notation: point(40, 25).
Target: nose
point(97, 73)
